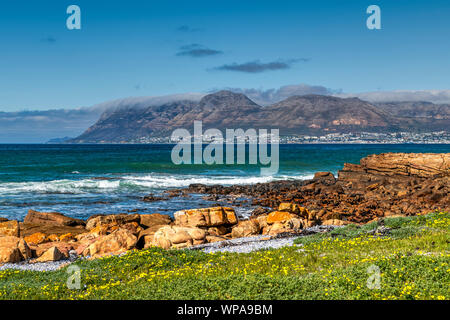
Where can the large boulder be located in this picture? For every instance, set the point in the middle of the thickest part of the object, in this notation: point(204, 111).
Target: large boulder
point(27, 229)
point(154, 219)
point(324, 177)
point(399, 164)
point(99, 230)
point(145, 237)
point(62, 247)
point(294, 208)
point(133, 227)
point(13, 249)
point(51, 218)
point(117, 242)
point(118, 219)
point(279, 216)
point(218, 231)
point(10, 255)
point(246, 228)
point(206, 217)
point(36, 238)
point(293, 225)
point(178, 237)
point(67, 237)
point(52, 254)
point(10, 228)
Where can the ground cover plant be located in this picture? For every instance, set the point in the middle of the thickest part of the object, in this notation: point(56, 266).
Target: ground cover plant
point(393, 258)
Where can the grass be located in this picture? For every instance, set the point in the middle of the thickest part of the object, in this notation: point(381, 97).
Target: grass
point(410, 262)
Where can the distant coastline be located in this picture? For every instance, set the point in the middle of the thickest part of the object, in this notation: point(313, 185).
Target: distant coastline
point(439, 137)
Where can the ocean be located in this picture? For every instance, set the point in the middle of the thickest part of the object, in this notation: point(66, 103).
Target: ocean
point(82, 180)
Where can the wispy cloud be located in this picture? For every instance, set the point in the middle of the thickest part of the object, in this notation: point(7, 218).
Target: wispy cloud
point(269, 96)
point(435, 96)
point(49, 40)
point(186, 28)
point(197, 51)
point(258, 66)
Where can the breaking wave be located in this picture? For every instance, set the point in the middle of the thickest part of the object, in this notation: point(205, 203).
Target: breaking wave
point(130, 183)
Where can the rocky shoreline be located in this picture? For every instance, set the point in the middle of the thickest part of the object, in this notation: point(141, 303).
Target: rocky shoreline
point(384, 185)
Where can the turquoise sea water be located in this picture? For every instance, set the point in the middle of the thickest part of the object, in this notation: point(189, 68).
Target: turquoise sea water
point(81, 180)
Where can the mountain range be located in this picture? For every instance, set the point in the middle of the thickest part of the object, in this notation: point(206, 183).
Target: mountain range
point(306, 114)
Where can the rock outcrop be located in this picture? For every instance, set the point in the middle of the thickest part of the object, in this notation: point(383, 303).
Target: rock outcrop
point(246, 228)
point(51, 218)
point(117, 242)
point(150, 220)
point(206, 217)
point(422, 165)
point(118, 219)
point(37, 238)
point(178, 237)
point(52, 254)
point(380, 186)
point(10, 228)
point(13, 249)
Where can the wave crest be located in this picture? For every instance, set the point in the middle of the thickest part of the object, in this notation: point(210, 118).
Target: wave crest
point(130, 183)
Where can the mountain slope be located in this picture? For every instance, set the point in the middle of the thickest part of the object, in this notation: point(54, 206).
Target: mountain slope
point(309, 114)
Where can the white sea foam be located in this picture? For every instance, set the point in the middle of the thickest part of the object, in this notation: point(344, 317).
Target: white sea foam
point(130, 182)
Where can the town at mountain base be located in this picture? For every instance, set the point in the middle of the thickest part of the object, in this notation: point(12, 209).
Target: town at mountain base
point(385, 185)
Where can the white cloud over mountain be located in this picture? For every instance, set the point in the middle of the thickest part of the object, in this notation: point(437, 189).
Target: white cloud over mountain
point(435, 96)
point(40, 126)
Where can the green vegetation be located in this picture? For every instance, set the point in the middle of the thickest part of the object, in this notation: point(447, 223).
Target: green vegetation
point(412, 258)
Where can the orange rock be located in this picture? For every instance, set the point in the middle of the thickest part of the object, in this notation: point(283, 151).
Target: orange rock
point(13, 249)
point(51, 218)
point(117, 242)
point(10, 255)
point(145, 237)
point(279, 216)
point(295, 224)
point(53, 237)
point(118, 219)
point(104, 229)
point(334, 222)
point(36, 238)
point(133, 227)
point(10, 228)
point(178, 237)
point(294, 208)
point(218, 231)
point(231, 215)
point(63, 247)
point(66, 237)
point(246, 228)
point(154, 219)
point(206, 217)
point(262, 221)
point(52, 254)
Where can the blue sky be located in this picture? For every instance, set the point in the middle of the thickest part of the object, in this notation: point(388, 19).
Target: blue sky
point(147, 48)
